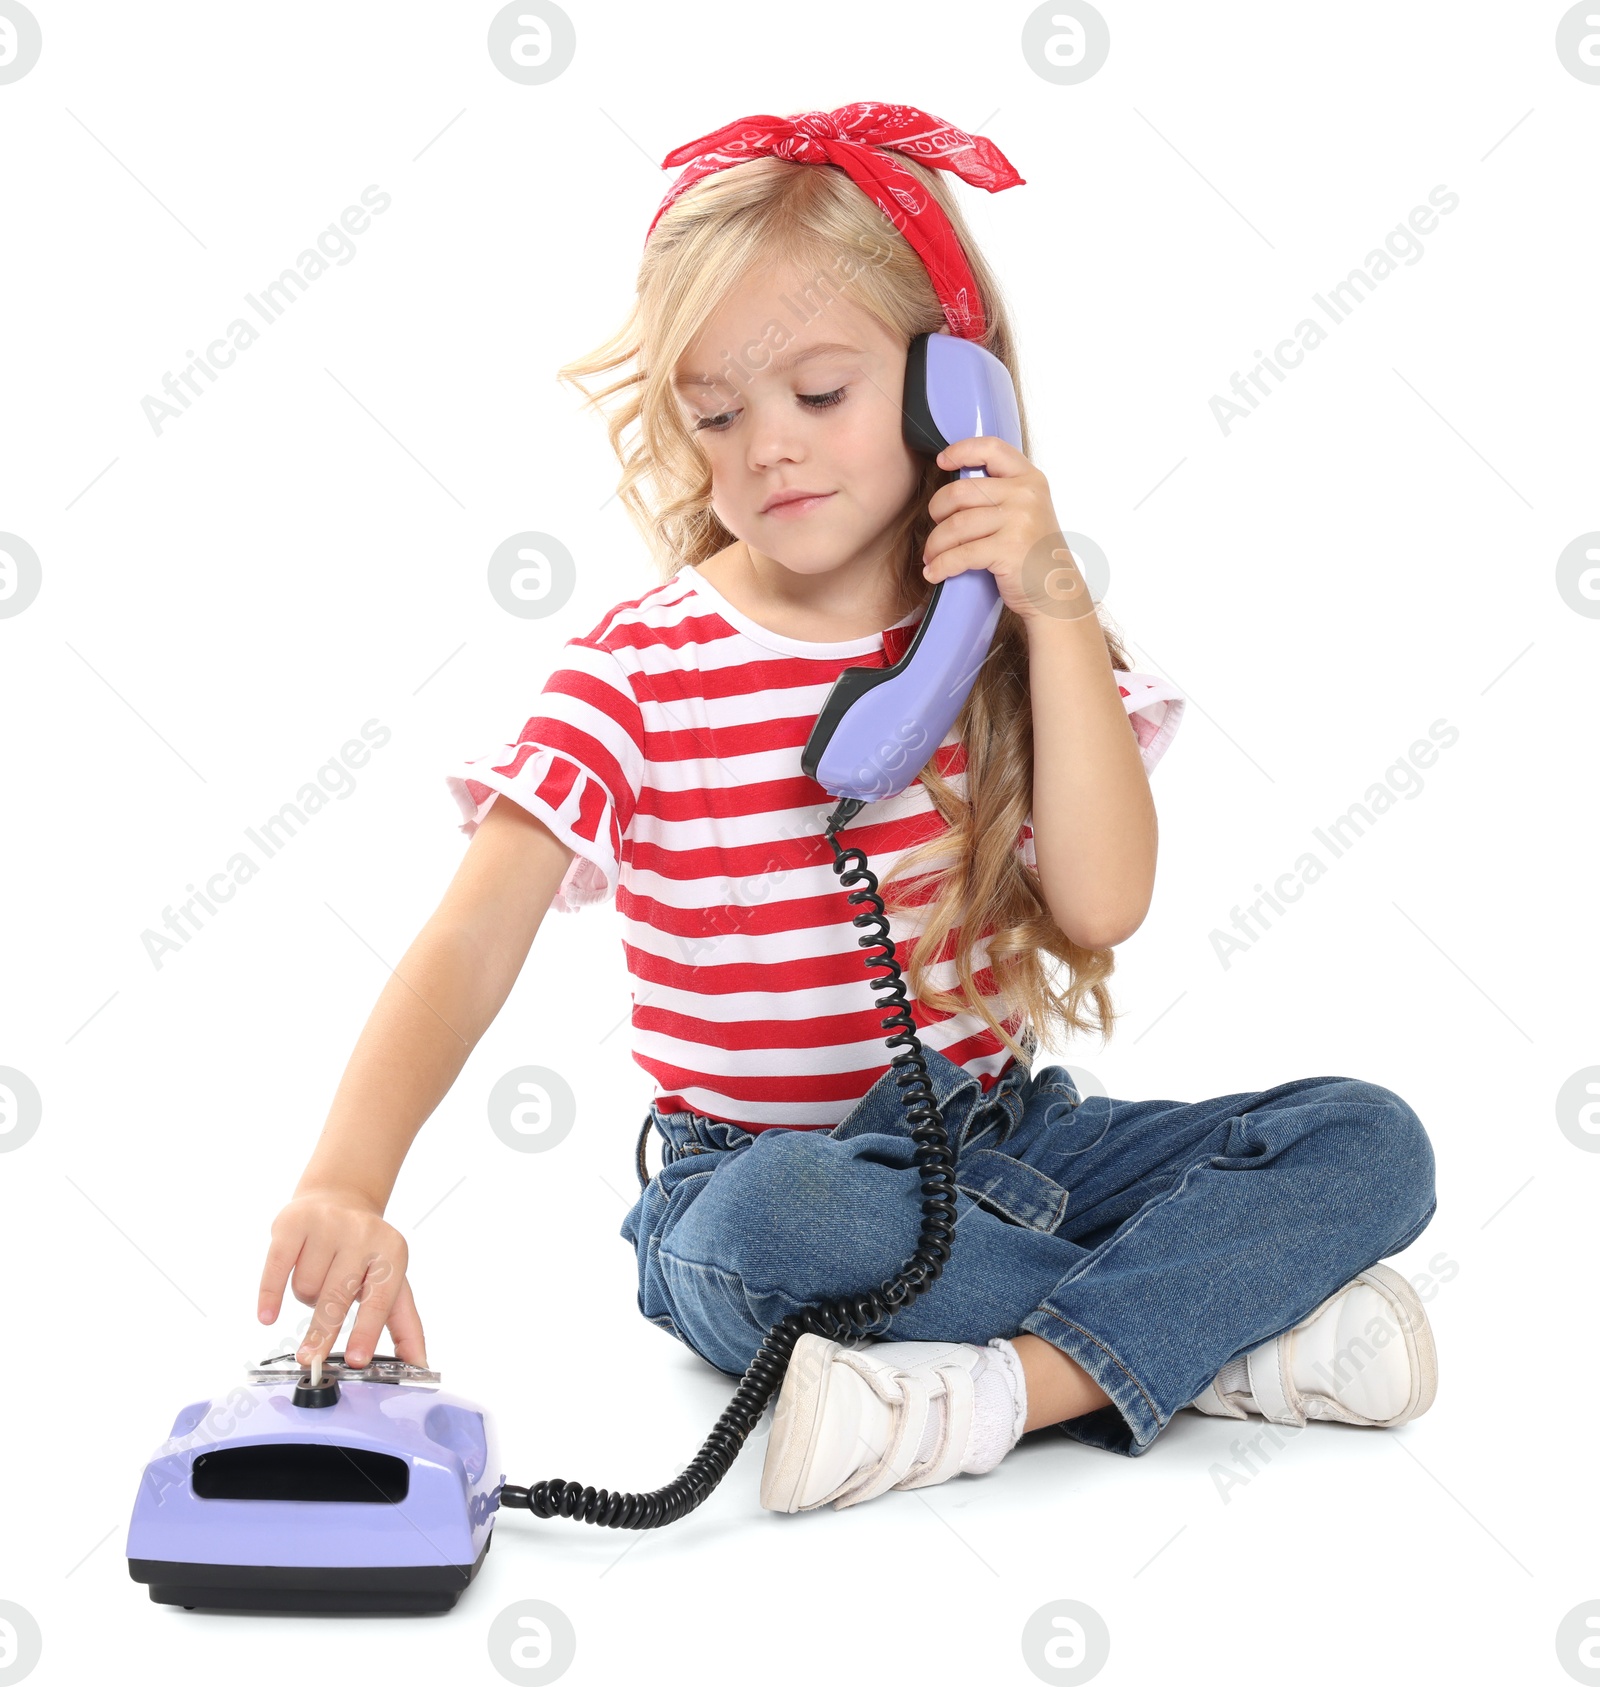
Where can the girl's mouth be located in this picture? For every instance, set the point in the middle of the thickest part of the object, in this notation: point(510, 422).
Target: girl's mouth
point(799, 506)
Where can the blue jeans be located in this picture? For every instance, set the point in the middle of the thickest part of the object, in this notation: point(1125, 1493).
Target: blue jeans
point(1150, 1241)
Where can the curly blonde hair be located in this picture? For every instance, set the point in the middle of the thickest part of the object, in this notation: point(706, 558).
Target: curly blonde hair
point(745, 219)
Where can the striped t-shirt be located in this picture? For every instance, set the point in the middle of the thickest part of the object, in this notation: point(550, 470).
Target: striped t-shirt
point(665, 752)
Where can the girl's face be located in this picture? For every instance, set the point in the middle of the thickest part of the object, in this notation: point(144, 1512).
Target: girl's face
point(791, 386)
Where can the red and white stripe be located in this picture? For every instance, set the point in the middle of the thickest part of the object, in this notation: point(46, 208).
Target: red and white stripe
point(665, 752)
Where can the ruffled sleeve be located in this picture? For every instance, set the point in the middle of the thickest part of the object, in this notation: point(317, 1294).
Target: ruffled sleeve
point(1155, 706)
point(577, 764)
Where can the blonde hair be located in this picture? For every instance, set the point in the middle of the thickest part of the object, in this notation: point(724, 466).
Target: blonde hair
point(746, 218)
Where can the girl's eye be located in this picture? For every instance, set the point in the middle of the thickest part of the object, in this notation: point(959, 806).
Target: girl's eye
point(812, 400)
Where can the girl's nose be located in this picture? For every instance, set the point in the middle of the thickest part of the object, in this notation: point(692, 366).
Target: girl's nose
point(774, 438)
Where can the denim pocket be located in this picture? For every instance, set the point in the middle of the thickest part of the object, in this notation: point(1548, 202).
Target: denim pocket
point(1011, 1189)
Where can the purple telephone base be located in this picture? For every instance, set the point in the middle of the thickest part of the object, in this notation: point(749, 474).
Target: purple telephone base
point(382, 1500)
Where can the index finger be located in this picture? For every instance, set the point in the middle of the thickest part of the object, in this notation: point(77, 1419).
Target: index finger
point(987, 451)
point(341, 1284)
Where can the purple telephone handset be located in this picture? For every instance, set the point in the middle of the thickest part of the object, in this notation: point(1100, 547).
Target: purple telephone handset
point(879, 727)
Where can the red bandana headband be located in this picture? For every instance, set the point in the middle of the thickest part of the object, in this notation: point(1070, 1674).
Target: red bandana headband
point(853, 137)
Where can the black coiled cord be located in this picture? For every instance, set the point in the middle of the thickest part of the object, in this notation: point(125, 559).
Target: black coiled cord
point(838, 1320)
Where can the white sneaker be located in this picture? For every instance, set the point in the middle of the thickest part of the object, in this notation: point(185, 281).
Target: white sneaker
point(1365, 1356)
point(852, 1422)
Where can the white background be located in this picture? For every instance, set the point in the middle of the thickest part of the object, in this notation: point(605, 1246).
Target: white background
point(224, 603)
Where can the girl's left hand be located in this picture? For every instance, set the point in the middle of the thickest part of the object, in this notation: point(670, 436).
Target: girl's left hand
point(1004, 521)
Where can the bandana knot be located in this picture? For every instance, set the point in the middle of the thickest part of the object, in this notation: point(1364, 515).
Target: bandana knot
point(862, 140)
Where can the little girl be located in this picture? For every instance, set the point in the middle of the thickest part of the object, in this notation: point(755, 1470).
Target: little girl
point(1113, 1261)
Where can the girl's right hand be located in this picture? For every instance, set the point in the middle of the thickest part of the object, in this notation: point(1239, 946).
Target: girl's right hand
point(340, 1249)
